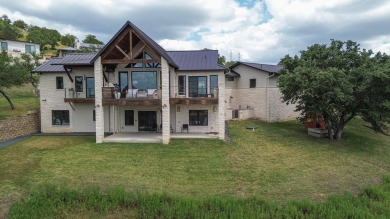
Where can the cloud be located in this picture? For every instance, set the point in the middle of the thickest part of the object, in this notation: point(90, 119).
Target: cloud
point(259, 30)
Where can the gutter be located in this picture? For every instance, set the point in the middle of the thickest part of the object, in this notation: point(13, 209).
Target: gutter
point(266, 97)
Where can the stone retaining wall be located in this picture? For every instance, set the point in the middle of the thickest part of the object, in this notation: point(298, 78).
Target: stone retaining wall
point(20, 126)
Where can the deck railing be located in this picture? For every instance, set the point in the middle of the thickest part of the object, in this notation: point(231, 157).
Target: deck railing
point(194, 92)
point(132, 93)
point(72, 93)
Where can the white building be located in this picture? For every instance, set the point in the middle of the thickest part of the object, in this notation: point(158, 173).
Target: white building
point(16, 48)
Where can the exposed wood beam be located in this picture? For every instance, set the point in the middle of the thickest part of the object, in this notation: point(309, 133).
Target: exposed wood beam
point(71, 105)
point(68, 73)
point(123, 52)
point(131, 44)
point(143, 41)
point(139, 51)
point(124, 61)
point(105, 76)
point(107, 52)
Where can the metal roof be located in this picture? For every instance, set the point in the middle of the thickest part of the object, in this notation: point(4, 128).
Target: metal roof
point(75, 59)
point(49, 67)
point(149, 40)
point(264, 67)
point(196, 60)
point(233, 74)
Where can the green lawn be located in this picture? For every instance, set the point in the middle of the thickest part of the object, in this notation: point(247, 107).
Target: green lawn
point(23, 99)
point(277, 161)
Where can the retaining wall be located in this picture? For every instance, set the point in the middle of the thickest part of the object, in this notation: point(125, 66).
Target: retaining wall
point(17, 126)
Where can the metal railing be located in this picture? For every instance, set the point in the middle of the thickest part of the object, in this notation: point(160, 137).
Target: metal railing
point(194, 92)
point(132, 93)
point(72, 93)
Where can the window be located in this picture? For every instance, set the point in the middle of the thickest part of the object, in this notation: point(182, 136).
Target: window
point(79, 83)
point(213, 85)
point(4, 46)
point(230, 79)
point(129, 117)
point(150, 64)
point(252, 83)
point(182, 85)
point(144, 80)
point(59, 82)
point(199, 117)
point(197, 86)
point(123, 81)
point(94, 115)
point(30, 49)
point(60, 117)
point(90, 87)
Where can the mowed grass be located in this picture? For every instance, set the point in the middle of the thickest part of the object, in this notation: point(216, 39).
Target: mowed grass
point(23, 99)
point(276, 162)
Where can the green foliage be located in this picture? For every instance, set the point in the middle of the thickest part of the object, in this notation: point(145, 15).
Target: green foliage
point(20, 24)
point(339, 82)
point(7, 30)
point(49, 201)
point(221, 60)
point(43, 36)
point(92, 39)
point(68, 40)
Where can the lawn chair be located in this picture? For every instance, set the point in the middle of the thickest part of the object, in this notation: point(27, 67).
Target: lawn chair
point(184, 127)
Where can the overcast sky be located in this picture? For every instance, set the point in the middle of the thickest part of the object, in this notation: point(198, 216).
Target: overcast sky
point(260, 31)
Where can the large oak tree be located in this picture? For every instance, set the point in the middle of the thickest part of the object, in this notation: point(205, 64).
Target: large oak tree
point(338, 81)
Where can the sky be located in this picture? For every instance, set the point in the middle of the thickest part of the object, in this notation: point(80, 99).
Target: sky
point(261, 31)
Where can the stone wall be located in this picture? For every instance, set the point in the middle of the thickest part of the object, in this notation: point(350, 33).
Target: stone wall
point(20, 125)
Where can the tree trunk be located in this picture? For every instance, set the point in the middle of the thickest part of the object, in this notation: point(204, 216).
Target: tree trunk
point(338, 132)
point(330, 133)
point(9, 100)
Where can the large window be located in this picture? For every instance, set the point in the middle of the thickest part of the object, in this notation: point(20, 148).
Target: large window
point(78, 83)
point(60, 117)
point(4, 46)
point(197, 86)
point(30, 49)
point(129, 117)
point(123, 81)
point(144, 79)
point(213, 85)
point(150, 64)
point(59, 82)
point(199, 117)
point(90, 87)
point(182, 85)
point(252, 83)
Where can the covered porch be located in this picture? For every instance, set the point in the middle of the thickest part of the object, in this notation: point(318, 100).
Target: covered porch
point(145, 137)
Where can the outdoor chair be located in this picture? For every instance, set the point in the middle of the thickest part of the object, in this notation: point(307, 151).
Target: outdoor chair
point(184, 128)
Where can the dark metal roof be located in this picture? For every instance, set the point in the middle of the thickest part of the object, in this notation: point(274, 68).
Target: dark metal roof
point(264, 67)
point(49, 67)
point(75, 59)
point(196, 60)
point(161, 51)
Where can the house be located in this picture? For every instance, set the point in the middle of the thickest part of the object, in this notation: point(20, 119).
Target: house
point(77, 47)
point(133, 85)
point(251, 91)
point(16, 47)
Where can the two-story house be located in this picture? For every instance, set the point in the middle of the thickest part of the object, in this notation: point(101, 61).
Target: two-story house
point(251, 91)
point(133, 85)
point(16, 48)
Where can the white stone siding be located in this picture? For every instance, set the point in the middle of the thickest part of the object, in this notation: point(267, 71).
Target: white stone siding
point(83, 118)
point(16, 48)
point(279, 111)
point(166, 133)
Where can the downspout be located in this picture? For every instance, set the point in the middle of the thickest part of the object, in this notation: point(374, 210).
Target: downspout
point(266, 97)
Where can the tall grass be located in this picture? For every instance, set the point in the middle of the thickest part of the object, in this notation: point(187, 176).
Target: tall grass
point(49, 201)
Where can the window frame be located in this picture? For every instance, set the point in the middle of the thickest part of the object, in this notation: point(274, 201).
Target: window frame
point(198, 118)
point(94, 115)
point(59, 86)
point(4, 48)
point(131, 123)
point(252, 83)
point(191, 90)
point(75, 84)
point(230, 78)
point(214, 85)
point(183, 86)
point(30, 51)
point(54, 117)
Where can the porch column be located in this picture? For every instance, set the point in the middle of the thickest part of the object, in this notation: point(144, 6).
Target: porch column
point(166, 127)
point(99, 112)
point(221, 106)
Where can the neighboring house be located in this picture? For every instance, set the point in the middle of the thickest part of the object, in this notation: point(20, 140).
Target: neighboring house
point(252, 92)
point(16, 48)
point(158, 90)
point(90, 47)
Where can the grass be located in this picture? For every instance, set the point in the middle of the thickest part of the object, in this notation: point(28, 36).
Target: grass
point(277, 162)
point(22, 97)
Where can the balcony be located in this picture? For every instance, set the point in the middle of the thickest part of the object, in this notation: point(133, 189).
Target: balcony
point(87, 96)
point(148, 97)
point(194, 95)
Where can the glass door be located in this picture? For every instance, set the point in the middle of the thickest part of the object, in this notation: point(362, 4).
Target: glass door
point(147, 121)
point(90, 87)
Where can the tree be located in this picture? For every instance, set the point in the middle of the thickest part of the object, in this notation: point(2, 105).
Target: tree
point(221, 60)
point(339, 82)
point(68, 40)
point(20, 24)
point(8, 31)
point(14, 72)
point(92, 39)
point(43, 36)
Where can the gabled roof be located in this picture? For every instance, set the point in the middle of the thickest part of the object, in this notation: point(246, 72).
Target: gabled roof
point(263, 67)
point(75, 59)
point(48, 67)
point(233, 74)
point(2, 39)
point(155, 46)
point(196, 60)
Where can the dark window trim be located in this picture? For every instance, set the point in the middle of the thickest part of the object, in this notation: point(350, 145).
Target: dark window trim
point(198, 117)
point(132, 86)
point(62, 79)
point(184, 85)
point(131, 122)
point(94, 115)
point(86, 91)
point(82, 83)
point(252, 83)
point(61, 121)
point(189, 88)
point(230, 78)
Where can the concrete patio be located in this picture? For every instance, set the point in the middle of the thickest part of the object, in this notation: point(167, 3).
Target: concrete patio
point(147, 137)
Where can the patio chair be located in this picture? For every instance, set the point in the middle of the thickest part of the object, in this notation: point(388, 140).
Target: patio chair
point(141, 93)
point(184, 127)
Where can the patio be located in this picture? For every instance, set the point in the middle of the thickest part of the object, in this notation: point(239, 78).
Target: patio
point(147, 137)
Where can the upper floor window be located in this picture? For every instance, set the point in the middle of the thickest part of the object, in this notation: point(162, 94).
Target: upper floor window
point(59, 82)
point(60, 117)
point(30, 49)
point(213, 85)
point(4, 46)
point(182, 85)
point(252, 83)
point(230, 79)
point(197, 86)
point(150, 64)
point(79, 83)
